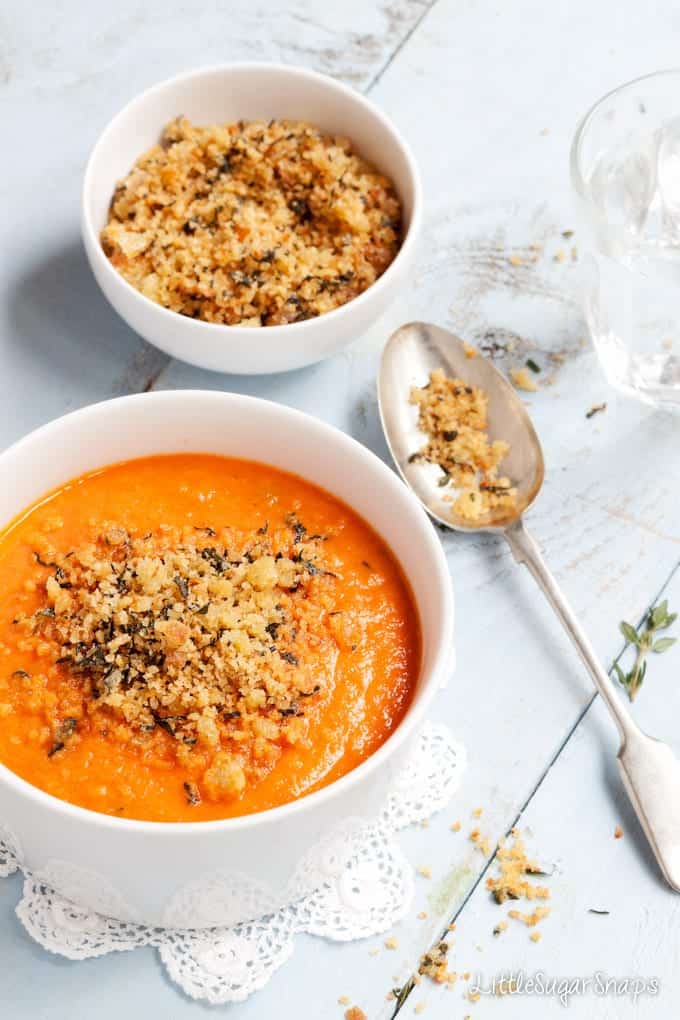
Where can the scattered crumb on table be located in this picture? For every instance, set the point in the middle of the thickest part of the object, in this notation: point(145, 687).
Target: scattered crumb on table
point(596, 409)
point(531, 919)
point(433, 964)
point(618, 832)
point(521, 380)
point(481, 842)
point(514, 867)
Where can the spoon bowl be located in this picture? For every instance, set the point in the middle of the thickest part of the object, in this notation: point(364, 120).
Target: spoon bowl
point(410, 355)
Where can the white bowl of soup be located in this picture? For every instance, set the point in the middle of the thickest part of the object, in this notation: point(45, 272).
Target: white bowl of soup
point(223, 624)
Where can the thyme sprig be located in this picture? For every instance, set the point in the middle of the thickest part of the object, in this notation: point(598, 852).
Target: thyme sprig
point(658, 618)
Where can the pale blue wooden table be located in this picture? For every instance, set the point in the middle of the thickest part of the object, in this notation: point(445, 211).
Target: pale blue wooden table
point(489, 95)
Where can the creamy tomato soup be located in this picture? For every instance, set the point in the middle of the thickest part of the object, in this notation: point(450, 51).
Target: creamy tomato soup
point(192, 637)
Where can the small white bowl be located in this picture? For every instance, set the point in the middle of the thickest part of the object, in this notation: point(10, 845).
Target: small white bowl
point(221, 95)
point(200, 874)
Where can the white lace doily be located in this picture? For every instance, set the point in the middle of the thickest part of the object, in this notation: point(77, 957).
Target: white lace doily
point(220, 965)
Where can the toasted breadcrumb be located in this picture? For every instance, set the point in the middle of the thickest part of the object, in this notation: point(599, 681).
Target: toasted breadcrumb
point(522, 380)
point(422, 916)
point(477, 813)
point(500, 927)
point(210, 642)
point(514, 865)
point(391, 943)
point(354, 1013)
point(535, 936)
point(424, 871)
point(253, 223)
point(344, 1000)
point(596, 409)
point(453, 415)
point(456, 827)
point(515, 260)
point(618, 832)
point(481, 842)
point(530, 919)
point(419, 1007)
point(433, 964)
point(470, 351)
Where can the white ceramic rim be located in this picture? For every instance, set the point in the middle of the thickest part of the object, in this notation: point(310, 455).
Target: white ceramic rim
point(406, 727)
point(278, 333)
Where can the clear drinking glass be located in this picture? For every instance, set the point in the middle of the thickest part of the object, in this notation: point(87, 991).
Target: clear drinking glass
point(625, 168)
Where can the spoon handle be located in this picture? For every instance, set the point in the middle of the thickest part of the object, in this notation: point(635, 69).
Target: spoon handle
point(649, 769)
point(526, 551)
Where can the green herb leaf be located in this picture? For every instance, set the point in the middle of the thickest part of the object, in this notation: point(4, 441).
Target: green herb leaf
point(663, 644)
point(658, 618)
point(629, 632)
point(658, 614)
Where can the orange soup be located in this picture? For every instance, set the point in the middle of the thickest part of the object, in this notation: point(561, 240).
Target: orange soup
point(193, 637)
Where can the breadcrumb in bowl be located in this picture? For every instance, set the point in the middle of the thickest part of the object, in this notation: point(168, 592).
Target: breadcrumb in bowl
point(254, 223)
point(189, 267)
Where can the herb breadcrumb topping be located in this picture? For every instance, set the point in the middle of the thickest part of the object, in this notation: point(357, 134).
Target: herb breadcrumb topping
point(453, 415)
point(220, 639)
point(252, 223)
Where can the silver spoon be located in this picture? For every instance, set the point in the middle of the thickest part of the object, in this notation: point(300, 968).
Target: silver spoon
point(649, 769)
